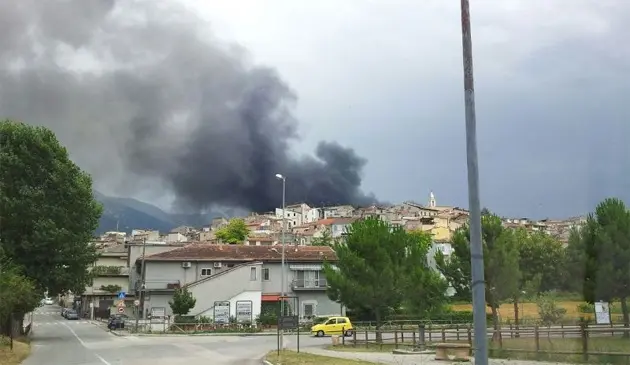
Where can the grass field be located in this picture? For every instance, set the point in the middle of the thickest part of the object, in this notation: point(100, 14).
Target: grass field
point(15, 357)
point(294, 358)
point(566, 346)
point(529, 311)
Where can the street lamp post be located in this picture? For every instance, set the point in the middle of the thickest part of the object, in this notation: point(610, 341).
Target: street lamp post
point(283, 273)
point(476, 248)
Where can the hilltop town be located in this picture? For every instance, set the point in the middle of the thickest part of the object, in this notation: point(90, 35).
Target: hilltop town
point(304, 224)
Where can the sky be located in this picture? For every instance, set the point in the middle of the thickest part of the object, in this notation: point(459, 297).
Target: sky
point(383, 78)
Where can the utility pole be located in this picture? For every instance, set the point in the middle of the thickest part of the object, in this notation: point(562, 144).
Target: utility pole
point(142, 284)
point(283, 274)
point(476, 248)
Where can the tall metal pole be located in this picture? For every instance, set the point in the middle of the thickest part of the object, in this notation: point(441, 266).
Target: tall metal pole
point(282, 277)
point(476, 248)
point(142, 282)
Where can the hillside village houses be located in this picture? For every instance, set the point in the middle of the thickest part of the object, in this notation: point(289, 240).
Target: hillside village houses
point(193, 257)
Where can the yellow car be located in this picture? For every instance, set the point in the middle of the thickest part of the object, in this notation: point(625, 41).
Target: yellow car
point(333, 326)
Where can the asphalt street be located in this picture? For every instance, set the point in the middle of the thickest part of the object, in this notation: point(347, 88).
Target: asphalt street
point(70, 342)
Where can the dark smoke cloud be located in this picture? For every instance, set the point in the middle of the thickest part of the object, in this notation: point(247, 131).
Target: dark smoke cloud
point(144, 99)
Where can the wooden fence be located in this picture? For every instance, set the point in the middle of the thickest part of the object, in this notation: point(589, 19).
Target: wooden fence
point(593, 344)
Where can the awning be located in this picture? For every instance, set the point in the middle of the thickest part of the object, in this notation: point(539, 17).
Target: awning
point(270, 298)
point(306, 267)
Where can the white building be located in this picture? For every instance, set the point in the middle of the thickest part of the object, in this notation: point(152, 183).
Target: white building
point(298, 214)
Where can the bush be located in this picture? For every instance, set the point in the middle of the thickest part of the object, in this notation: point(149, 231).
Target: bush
point(586, 308)
point(548, 310)
point(447, 316)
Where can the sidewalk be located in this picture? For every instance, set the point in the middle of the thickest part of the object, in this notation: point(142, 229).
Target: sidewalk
point(391, 359)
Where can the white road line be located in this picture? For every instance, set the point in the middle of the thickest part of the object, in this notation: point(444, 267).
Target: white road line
point(105, 362)
point(102, 360)
point(74, 334)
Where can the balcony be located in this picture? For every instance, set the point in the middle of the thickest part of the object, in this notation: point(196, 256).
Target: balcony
point(159, 285)
point(304, 285)
point(101, 270)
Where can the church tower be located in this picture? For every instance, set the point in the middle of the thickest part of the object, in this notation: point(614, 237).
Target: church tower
point(432, 202)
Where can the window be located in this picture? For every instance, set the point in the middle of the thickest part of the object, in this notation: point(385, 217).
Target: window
point(341, 320)
point(252, 274)
point(265, 274)
point(308, 310)
point(331, 321)
point(206, 272)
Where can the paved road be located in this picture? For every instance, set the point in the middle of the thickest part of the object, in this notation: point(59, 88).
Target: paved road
point(60, 341)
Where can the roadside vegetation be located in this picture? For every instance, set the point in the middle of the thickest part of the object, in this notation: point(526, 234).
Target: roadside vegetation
point(48, 215)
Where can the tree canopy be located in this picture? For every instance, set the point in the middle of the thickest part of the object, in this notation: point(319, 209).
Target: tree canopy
point(47, 210)
point(236, 231)
point(381, 267)
point(605, 240)
point(501, 263)
point(183, 301)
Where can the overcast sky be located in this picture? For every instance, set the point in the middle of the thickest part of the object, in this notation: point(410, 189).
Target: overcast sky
point(385, 77)
point(132, 88)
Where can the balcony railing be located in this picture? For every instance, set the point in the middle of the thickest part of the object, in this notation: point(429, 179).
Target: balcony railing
point(159, 285)
point(309, 284)
point(101, 270)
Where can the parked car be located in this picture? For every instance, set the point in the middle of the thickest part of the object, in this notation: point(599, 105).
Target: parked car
point(117, 321)
point(71, 314)
point(48, 301)
point(63, 312)
point(333, 326)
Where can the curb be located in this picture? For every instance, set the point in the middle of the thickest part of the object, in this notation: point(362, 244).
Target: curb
point(265, 362)
point(239, 334)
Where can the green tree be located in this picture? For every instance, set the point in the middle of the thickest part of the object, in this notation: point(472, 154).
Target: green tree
point(235, 231)
point(47, 209)
point(373, 271)
point(424, 289)
point(573, 268)
point(541, 259)
point(183, 301)
point(501, 265)
point(325, 239)
point(19, 295)
point(606, 243)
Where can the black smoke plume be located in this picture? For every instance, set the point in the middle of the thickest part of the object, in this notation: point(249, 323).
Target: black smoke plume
point(145, 99)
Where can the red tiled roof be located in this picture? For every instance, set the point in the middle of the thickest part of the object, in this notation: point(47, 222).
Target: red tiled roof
point(326, 222)
point(204, 251)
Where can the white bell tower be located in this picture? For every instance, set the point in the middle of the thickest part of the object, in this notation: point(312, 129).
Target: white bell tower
point(432, 202)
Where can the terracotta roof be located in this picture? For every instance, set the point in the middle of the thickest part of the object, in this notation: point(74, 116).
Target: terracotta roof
point(344, 220)
point(204, 251)
point(326, 222)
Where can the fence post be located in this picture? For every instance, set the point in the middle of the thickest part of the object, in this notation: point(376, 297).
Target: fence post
point(421, 342)
point(343, 335)
point(367, 340)
point(354, 338)
point(395, 339)
point(469, 334)
point(457, 331)
point(443, 334)
point(562, 329)
point(584, 335)
point(430, 332)
point(537, 341)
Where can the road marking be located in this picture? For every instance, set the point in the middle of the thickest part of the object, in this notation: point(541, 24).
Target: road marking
point(102, 360)
point(105, 362)
point(74, 334)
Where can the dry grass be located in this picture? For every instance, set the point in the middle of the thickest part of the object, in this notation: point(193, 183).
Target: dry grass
point(294, 358)
point(570, 350)
point(530, 310)
point(15, 357)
